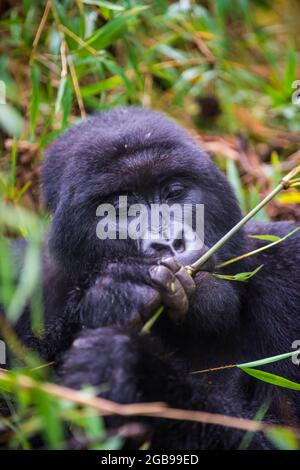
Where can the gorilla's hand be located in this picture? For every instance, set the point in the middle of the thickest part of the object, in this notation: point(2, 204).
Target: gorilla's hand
point(129, 293)
point(120, 364)
point(100, 358)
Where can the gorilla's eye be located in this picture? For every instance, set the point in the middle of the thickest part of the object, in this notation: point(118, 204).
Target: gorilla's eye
point(174, 191)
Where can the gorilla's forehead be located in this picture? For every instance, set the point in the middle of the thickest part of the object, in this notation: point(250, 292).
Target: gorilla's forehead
point(137, 169)
point(127, 147)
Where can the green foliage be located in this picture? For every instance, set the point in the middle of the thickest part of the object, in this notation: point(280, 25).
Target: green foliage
point(283, 439)
point(187, 50)
point(259, 416)
point(241, 277)
point(272, 378)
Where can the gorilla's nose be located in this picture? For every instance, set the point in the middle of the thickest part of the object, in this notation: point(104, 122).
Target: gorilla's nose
point(178, 248)
point(162, 246)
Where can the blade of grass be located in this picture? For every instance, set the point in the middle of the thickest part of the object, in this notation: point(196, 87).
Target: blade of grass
point(259, 416)
point(35, 98)
point(13, 166)
point(268, 360)
point(114, 29)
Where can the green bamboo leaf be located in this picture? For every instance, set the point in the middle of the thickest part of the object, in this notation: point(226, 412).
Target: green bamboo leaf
point(272, 378)
point(258, 250)
point(241, 277)
point(99, 87)
point(269, 238)
point(35, 97)
point(111, 31)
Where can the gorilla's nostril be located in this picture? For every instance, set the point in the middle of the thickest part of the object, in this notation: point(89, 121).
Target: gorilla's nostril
point(159, 247)
point(178, 245)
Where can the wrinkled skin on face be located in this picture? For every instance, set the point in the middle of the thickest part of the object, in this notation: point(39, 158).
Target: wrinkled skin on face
point(98, 293)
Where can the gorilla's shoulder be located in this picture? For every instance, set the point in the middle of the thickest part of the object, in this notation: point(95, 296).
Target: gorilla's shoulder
point(283, 257)
point(279, 229)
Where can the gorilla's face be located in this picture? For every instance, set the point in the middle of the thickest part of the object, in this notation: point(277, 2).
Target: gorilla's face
point(142, 157)
point(157, 220)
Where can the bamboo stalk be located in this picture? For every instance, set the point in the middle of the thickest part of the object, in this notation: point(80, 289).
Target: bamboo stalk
point(286, 182)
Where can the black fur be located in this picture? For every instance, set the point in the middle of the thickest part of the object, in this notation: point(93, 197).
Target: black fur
point(139, 151)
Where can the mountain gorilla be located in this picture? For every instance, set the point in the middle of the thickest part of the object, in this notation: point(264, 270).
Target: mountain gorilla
point(99, 293)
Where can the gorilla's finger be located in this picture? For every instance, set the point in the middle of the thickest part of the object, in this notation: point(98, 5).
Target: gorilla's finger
point(176, 300)
point(182, 275)
point(162, 276)
point(186, 281)
point(151, 301)
point(172, 292)
point(171, 263)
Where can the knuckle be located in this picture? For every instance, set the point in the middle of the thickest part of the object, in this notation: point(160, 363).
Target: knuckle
point(171, 263)
point(161, 275)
